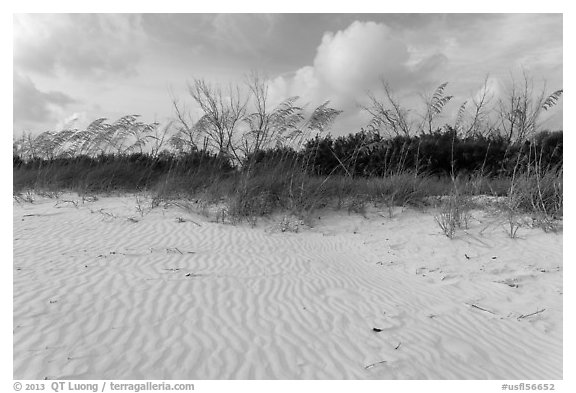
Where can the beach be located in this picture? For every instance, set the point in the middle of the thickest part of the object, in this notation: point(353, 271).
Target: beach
point(113, 287)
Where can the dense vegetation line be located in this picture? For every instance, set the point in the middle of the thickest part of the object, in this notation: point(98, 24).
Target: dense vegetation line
point(262, 160)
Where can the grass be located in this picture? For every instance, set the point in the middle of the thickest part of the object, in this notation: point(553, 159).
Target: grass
point(454, 214)
point(246, 196)
point(348, 173)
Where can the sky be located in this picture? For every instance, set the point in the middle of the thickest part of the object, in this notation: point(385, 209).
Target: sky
point(70, 69)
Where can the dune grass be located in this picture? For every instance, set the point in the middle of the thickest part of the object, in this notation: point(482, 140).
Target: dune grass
point(263, 191)
point(258, 163)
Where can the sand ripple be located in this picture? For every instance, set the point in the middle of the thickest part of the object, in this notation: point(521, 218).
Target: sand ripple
point(100, 296)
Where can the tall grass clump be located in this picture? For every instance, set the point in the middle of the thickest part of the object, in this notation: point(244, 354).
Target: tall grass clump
point(535, 193)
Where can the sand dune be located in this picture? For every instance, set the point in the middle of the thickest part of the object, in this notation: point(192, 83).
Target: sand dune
point(102, 292)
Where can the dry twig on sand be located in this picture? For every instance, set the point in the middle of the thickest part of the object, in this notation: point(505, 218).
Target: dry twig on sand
point(532, 314)
point(374, 364)
point(480, 308)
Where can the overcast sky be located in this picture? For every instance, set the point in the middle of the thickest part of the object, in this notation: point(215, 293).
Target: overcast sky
point(85, 67)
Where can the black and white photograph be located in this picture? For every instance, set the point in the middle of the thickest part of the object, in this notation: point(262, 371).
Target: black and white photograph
point(288, 196)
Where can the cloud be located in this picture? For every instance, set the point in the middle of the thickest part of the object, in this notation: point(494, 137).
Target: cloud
point(352, 61)
point(354, 58)
point(233, 37)
point(243, 32)
point(77, 120)
point(32, 105)
point(183, 30)
point(498, 44)
point(76, 44)
point(415, 59)
point(490, 90)
point(316, 56)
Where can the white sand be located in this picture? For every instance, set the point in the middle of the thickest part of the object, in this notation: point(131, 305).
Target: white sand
point(98, 296)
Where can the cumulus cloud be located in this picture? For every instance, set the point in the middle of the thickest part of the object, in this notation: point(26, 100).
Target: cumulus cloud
point(32, 105)
point(354, 58)
point(352, 61)
point(81, 45)
point(417, 59)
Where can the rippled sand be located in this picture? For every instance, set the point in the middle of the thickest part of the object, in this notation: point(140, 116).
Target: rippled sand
point(103, 292)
